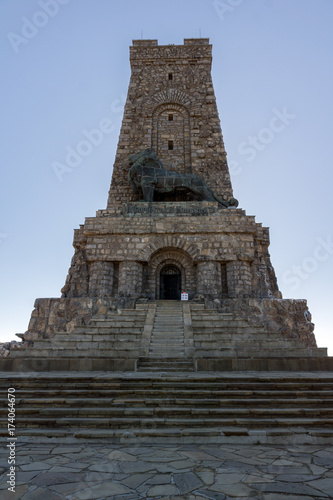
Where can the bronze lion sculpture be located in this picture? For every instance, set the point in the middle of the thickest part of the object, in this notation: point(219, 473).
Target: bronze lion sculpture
point(148, 175)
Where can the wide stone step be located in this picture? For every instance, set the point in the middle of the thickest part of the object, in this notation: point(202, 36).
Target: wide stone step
point(197, 381)
point(172, 316)
point(251, 352)
point(166, 349)
point(111, 324)
point(171, 345)
point(128, 422)
point(121, 327)
point(173, 313)
point(169, 311)
point(134, 396)
point(249, 343)
point(233, 331)
point(214, 415)
point(59, 354)
point(254, 386)
point(167, 344)
point(167, 368)
point(159, 362)
point(93, 344)
point(222, 395)
point(166, 325)
point(204, 435)
point(166, 354)
point(168, 338)
point(29, 403)
point(125, 313)
point(120, 319)
point(208, 323)
point(163, 332)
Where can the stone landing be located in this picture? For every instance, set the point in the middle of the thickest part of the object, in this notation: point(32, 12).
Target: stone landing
point(88, 471)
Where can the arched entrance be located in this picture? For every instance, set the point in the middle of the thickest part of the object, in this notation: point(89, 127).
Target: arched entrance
point(170, 283)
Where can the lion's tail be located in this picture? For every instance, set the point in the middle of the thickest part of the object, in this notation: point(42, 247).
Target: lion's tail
point(231, 203)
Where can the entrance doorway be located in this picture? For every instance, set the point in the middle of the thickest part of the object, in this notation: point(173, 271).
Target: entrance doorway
point(170, 283)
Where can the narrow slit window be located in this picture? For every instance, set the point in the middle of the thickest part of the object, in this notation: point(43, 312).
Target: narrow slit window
point(170, 145)
point(171, 117)
point(170, 76)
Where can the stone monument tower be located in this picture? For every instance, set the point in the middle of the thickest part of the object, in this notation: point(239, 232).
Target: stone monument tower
point(130, 248)
point(172, 227)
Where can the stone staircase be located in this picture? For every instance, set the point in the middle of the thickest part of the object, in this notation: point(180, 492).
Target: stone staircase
point(110, 342)
point(223, 335)
point(246, 408)
point(167, 341)
point(223, 342)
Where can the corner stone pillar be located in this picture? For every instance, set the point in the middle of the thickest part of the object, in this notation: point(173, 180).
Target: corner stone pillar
point(209, 278)
point(130, 278)
point(239, 278)
point(100, 279)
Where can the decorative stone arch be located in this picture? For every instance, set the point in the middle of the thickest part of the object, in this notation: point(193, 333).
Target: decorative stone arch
point(170, 95)
point(171, 137)
point(171, 257)
point(169, 241)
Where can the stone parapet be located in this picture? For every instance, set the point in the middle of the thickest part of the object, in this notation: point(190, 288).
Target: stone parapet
point(194, 49)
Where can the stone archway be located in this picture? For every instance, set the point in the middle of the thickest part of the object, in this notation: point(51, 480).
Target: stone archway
point(171, 258)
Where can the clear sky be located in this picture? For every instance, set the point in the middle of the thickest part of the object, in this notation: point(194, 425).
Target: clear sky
point(65, 67)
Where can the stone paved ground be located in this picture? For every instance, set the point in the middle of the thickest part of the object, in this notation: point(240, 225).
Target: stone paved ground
point(87, 471)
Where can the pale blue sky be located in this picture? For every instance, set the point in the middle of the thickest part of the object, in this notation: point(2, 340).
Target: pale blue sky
point(65, 68)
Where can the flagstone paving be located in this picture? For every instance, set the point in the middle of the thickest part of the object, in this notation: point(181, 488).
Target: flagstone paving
point(101, 471)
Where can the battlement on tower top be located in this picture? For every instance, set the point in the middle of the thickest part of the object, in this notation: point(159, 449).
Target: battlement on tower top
point(192, 50)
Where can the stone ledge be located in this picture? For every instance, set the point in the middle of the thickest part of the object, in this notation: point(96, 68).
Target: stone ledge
point(271, 364)
point(81, 364)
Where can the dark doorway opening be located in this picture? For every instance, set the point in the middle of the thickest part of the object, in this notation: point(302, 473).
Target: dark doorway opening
point(170, 283)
